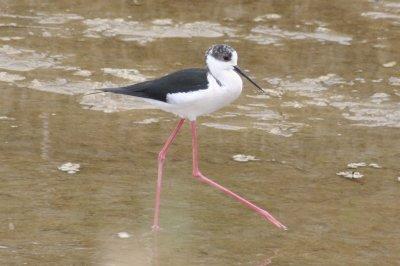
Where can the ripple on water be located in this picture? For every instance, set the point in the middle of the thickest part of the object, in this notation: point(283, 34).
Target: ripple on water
point(384, 11)
point(57, 18)
point(123, 235)
point(269, 120)
point(394, 81)
point(392, 5)
point(279, 128)
point(293, 104)
point(309, 87)
point(377, 110)
point(110, 103)
point(131, 74)
point(350, 174)
point(106, 102)
point(18, 59)
point(380, 15)
point(63, 86)
point(148, 121)
point(82, 73)
point(356, 165)
point(11, 38)
point(271, 16)
point(374, 165)
point(7, 77)
point(143, 33)
point(263, 114)
point(259, 96)
point(371, 114)
point(46, 18)
point(223, 126)
point(273, 35)
point(380, 97)
point(11, 25)
point(70, 168)
point(390, 64)
point(244, 158)
point(6, 118)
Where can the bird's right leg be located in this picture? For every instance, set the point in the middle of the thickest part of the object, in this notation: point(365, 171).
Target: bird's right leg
point(161, 159)
point(201, 177)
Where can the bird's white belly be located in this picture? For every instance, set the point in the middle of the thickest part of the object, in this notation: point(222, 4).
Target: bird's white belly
point(193, 104)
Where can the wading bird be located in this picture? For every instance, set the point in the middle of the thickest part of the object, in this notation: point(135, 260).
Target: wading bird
point(190, 93)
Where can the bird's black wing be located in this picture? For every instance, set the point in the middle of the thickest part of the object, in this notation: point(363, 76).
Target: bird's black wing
point(186, 80)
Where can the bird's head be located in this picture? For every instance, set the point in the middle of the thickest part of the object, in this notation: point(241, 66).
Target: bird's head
point(222, 57)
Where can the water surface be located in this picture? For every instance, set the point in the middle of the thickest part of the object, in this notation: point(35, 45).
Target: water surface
point(331, 70)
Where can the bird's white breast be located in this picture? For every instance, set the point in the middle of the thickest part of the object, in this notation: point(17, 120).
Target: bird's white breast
point(192, 104)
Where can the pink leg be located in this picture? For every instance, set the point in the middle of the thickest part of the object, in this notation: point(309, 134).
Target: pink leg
point(161, 160)
point(201, 177)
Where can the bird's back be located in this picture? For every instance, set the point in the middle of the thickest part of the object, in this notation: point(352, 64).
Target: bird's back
point(186, 80)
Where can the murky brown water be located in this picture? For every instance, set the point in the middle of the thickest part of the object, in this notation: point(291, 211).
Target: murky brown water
point(332, 69)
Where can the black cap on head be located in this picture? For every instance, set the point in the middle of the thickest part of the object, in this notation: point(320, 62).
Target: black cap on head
point(220, 52)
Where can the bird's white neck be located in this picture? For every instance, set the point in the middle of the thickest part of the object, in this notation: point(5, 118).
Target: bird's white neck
point(223, 73)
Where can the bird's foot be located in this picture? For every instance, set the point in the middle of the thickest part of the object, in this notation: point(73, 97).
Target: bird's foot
point(199, 176)
point(155, 228)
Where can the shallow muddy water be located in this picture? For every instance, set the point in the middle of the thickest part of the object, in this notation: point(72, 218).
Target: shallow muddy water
point(322, 145)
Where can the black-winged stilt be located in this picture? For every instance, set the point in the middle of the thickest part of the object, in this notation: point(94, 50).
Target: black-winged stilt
point(190, 93)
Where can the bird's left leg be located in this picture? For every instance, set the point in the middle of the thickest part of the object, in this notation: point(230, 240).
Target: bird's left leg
point(161, 159)
point(201, 177)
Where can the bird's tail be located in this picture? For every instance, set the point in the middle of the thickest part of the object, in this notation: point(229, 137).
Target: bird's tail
point(126, 90)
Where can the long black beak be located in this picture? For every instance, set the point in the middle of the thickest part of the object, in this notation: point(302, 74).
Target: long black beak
point(237, 69)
